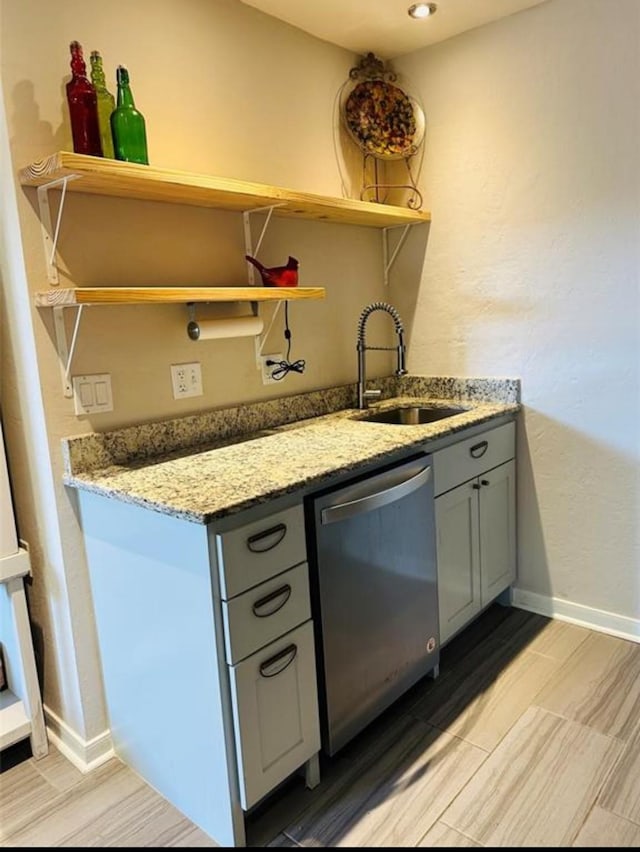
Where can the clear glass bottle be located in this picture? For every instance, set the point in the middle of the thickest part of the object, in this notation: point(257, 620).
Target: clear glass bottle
point(106, 103)
point(83, 106)
point(127, 124)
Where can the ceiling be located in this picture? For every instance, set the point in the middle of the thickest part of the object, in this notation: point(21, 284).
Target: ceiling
point(384, 26)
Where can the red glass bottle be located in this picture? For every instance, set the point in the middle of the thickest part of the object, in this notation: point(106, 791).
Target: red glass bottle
point(83, 106)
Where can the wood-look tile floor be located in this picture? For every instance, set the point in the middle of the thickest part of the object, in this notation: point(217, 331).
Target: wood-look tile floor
point(529, 737)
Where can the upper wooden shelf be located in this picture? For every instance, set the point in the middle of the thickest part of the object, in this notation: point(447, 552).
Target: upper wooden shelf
point(100, 176)
point(166, 295)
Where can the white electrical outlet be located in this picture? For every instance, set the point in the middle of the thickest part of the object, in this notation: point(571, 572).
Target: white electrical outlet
point(267, 369)
point(92, 394)
point(186, 380)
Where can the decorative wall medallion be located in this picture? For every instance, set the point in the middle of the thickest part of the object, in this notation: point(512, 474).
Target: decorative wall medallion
point(385, 122)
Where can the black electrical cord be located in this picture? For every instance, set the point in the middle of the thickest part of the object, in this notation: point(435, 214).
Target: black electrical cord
point(281, 368)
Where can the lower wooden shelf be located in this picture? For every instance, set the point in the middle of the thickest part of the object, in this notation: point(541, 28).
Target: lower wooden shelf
point(21, 713)
point(166, 295)
point(15, 725)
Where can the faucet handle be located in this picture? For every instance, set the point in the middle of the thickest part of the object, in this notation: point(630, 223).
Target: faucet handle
point(372, 393)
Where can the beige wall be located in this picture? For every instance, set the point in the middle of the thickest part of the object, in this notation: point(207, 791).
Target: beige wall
point(225, 90)
point(532, 172)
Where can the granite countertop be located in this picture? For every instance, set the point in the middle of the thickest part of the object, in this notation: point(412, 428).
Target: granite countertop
point(232, 466)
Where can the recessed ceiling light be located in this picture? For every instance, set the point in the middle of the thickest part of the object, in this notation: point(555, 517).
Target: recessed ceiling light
point(422, 10)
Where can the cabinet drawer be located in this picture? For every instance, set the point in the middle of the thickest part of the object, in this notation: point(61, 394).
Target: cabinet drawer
point(262, 614)
point(252, 553)
point(275, 709)
point(466, 459)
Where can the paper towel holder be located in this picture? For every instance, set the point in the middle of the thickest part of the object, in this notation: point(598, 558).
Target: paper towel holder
point(260, 337)
point(193, 326)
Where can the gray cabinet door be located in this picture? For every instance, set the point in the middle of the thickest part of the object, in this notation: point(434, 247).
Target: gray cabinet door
point(497, 498)
point(275, 709)
point(458, 548)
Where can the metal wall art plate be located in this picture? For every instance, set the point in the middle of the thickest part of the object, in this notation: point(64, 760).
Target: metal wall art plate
point(379, 119)
point(383, 120)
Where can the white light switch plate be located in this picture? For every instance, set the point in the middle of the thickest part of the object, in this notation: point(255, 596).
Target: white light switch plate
point(92, 394)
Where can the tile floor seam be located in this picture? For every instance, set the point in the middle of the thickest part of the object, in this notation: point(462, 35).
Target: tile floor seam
point(595, 795)
point(487, 751)
point(561, 661)
point(68, 795)
point(475, 745)
point(582, 725)
point(292, 839)
point(432, 733)
point(612, 769)
point(617, 814)
point(464, 834)
point(576, 833)
point(468, 781)
point(33, 815)
point(438, 818)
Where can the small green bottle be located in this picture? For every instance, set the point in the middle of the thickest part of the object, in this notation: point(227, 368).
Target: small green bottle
point(106, 104)
point(127, 124)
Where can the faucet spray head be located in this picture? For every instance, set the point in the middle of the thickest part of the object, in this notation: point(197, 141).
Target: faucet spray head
point(401, 370)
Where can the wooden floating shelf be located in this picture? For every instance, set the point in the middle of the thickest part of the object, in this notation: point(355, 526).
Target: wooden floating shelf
point(101, 176)
point(168, 295)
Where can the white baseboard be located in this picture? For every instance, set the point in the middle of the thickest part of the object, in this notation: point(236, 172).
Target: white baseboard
point(84, 754)
point(585, 616)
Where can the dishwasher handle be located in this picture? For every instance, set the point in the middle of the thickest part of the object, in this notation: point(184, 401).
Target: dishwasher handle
point(344, 511)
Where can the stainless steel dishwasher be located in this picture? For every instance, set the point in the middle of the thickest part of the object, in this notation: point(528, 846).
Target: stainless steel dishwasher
point(373, 571)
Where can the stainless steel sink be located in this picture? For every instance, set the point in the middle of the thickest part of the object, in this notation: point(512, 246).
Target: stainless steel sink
point(412, 415)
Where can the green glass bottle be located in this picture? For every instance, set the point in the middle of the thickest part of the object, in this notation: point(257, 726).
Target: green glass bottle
point(127, 124)
point(106, 104)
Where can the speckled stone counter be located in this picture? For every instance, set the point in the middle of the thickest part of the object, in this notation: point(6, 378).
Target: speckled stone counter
point(211, 465)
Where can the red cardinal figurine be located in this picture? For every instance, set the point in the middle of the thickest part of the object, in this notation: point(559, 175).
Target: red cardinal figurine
point(277, 276)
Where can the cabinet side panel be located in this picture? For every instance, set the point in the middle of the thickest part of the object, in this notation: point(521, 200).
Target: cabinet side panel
point(151, 586)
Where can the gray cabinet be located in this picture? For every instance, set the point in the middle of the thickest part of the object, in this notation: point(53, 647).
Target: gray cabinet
point(269, 650)
point(458, 557)
point(496, 506)
point(275, 708)
point(207, 652)
point(475, 525)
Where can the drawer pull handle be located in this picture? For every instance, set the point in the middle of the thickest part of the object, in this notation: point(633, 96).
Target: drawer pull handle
point(476, 486)
point(484, 482)
point(281, 661)
point(267, 540)
point(280, 597)
point(478, 450)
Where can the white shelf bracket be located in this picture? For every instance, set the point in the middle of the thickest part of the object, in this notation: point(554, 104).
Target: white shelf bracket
point(261, 339)
point(248, 241)
point(49, 235)
point(65, 352)
point(387, 261)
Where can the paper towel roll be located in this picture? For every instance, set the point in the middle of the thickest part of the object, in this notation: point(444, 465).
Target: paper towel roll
point(214, 329)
